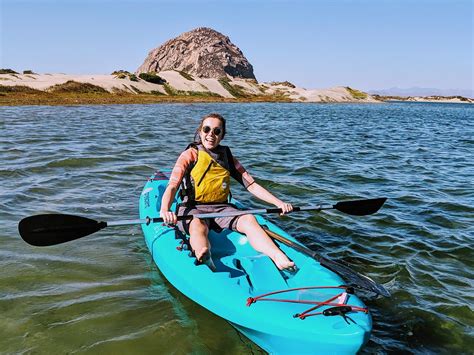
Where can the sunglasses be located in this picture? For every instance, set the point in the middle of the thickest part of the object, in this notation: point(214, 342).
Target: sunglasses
point(216, 130)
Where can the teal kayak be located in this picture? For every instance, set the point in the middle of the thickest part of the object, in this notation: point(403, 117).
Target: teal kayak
point(307, 311)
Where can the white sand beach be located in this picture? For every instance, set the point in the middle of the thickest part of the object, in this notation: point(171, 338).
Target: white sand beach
point(177, 82)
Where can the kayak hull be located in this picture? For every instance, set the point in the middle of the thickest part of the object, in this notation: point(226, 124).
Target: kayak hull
point(242, 273)
point(295, 345)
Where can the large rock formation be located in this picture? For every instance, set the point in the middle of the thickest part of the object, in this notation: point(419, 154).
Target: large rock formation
point(202, 52)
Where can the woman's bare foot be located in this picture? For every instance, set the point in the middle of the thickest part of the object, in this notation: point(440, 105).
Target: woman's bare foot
point(282, 262)
point(201, 253)
point(204, 257)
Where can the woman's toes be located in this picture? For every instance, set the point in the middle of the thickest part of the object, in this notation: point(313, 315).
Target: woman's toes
point(202, 254)
point(282, 262)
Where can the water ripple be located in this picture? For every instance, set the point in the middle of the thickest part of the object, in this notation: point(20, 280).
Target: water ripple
point(104, 294)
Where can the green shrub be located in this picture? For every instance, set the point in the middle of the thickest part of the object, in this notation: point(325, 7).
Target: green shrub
point(169, 89)
point(123, 74)
point(72, 86)
point(28, 72)
point(283, 83)
point(120, 72)
point(152, 78)
point(199, 93)
point(119, 91)
point(7, 71)
point(19, 88)
point(356, 94)
point(186, 75)
point(138, 91)
point(234, 90)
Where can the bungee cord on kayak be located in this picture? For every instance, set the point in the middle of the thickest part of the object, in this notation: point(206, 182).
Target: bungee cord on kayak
point(340, 307)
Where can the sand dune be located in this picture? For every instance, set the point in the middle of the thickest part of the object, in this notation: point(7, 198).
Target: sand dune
point(177, 83)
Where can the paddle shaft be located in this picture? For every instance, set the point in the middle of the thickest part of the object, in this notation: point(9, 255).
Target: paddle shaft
point(291, 244)
point(358, 280)
point(219, 214)
point(54, 228)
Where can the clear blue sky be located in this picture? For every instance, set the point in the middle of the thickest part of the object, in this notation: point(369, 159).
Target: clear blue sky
point(366, 44)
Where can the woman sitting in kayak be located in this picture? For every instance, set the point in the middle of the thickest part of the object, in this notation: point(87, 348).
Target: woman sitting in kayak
point(204, 170)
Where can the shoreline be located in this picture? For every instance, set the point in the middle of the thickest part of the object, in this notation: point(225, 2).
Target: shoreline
point(80, 99)
point(175, 87)
point(49, 99)
point(166, 86)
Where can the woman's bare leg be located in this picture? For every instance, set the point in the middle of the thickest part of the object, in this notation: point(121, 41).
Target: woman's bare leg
point(199, 240)
point(261, 242)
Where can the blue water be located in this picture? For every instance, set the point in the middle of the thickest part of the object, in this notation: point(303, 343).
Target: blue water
point(103, 293)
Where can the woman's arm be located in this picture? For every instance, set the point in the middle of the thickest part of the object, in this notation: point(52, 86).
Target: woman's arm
point(265, 195)
point(166, 202)
point(177, 174)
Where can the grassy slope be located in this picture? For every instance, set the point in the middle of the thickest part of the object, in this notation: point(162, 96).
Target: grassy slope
point(37, 97)
point(74, 93)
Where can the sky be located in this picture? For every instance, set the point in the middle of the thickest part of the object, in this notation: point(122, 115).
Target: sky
point(364, 44)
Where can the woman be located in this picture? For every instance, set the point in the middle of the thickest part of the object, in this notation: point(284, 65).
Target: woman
point(205, 169)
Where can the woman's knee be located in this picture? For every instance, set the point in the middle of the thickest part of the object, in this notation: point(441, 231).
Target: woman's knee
point(246, 223)
point(198, 225)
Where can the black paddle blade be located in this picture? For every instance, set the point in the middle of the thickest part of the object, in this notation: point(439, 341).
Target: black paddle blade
point(360, 207)
point(51, 229)
point(353, 278)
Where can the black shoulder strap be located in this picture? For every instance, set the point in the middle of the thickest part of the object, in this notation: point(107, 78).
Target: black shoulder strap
point(232, 169)
point(192, 145)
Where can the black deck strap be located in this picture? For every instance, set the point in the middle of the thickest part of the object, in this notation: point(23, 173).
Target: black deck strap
point(232, 169)
point(337, 311)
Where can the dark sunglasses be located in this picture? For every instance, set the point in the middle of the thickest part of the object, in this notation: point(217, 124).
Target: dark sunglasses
point(216, 130)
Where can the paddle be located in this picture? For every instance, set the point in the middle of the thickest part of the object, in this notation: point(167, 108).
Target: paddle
point(52, 229)
point(350, 276)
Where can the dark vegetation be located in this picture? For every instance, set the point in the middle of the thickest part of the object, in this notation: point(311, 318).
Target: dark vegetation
point(235, 90)
point(18, 89)
point(356, 94)
point(122, 74)
point(186, 75)
point(7, 71)
point(152, 78)
point(284, 83)
point(171, 91)
point(72, 86)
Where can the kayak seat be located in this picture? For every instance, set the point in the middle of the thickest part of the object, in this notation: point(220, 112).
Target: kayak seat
point(262, 273)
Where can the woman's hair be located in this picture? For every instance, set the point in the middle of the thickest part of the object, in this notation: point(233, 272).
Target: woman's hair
point(197, 137)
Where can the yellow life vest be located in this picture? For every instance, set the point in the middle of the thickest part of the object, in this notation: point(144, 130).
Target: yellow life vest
point(211, 180)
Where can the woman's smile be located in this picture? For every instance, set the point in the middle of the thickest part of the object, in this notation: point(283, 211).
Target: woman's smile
point(211, 133)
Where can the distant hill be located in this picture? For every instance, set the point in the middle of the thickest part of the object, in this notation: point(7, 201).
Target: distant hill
point(417, 91)
point(203, 53)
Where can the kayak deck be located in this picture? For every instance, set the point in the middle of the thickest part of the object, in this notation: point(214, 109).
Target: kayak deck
point(242, 275)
